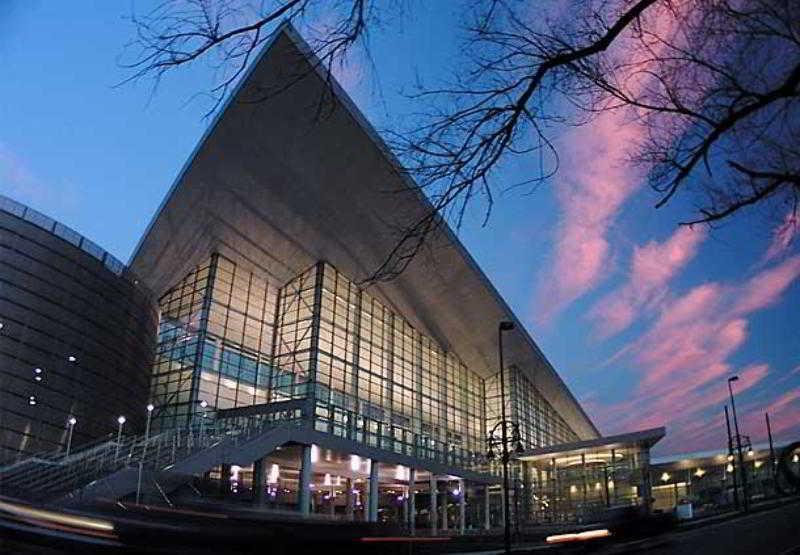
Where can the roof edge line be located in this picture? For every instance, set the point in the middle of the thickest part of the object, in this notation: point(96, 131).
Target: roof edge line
point(221, 109)
point(356, 113)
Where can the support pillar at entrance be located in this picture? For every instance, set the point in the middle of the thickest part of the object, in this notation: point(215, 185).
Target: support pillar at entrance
point(259, 481)
point(304, 483)
point(373, 491)
point(462, 507)
point(487, 517)
point(412, 500)
point(434, 500)
point(224, 479)
point(443, 505)
point(350, 500)
point(503, 514)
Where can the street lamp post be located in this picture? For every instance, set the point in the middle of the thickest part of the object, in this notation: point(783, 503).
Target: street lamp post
point(203, 405)
point(150, 408)
point(503, 326)
point(71, 423)
point(739, 445)
point(121, 422)
point(730, 458)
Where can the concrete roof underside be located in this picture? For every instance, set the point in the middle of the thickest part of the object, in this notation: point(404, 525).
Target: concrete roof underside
point(289, 174)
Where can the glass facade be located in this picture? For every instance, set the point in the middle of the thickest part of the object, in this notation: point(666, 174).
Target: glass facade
point(215, 342)
point(580, 485)
point(539, 423)
point(232, 338)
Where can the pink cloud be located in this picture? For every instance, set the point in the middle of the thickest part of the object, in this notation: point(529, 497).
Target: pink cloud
point(682, 359)
point(783, 236)
point(784, 412)
point(784, 417)
point(765, 288)
point(596, 180)
point(652, 268)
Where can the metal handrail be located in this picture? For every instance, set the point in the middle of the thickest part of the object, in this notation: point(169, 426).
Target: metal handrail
point(154, 452)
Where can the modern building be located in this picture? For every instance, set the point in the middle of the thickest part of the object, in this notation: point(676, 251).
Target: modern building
point(76, 337)
point(710, 480)
point(283, 377)
point(583, 479)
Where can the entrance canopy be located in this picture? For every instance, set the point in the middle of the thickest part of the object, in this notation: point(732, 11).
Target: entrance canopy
point(580, 452)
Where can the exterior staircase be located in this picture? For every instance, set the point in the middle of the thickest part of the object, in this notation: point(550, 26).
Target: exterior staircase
point(114, 469)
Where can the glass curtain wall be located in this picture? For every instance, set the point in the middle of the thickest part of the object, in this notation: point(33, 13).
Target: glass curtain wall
point(231, 338)
point(539, 424)
point(578, 486)
point(381, 381)
point(215, 342)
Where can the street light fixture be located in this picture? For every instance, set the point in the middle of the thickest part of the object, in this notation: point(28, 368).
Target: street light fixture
point(121, 422)
point(150, 408)
point(503, 326)
point(203, 405)
point(71, 421)
point(739, 444)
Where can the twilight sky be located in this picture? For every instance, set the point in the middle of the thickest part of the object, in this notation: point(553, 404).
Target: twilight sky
point(644, 320)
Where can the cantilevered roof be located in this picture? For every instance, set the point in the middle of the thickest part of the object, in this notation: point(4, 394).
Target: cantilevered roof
point(642, 438)
point(281, 181)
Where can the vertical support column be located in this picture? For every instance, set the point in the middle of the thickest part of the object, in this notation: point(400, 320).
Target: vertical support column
point(205, 311)
point(503, 515)
point(304, 483)
point(613, 472)
point(311, 392)
point(224, 479)
point(434, 501)
point(487, 515)
point(526, 493)
point(444, 504)
point(350, 500)
point(462, 507)
point(373, 490)
point(354, 368)
point(412, 500)
point(583, 478)
point(647, 494)
point(259, 481)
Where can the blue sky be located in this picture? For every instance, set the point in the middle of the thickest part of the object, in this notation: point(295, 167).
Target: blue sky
point(643, 321)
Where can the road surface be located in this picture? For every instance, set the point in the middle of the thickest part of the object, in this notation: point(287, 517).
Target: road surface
point(772, 532)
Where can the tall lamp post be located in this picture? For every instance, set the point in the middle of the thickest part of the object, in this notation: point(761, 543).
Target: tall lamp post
point(71, 421)
point(739, 445)
point(504, 439)
point(121, 422)
point(150, 408)
point(203, 405)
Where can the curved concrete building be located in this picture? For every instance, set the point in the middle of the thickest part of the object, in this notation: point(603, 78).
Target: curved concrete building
point(77, 337)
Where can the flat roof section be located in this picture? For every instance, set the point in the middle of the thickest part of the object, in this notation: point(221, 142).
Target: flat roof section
point(280, 182)
point(642, 438)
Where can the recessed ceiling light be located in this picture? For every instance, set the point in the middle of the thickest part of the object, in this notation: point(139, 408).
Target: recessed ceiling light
point(71, 358)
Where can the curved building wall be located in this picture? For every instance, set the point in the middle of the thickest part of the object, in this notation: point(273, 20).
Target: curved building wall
point(77, 336)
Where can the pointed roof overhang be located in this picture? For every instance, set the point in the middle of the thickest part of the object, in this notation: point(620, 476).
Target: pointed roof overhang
point(289, 174)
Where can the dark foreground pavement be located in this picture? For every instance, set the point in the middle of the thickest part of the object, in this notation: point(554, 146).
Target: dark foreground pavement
point(771, 532)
